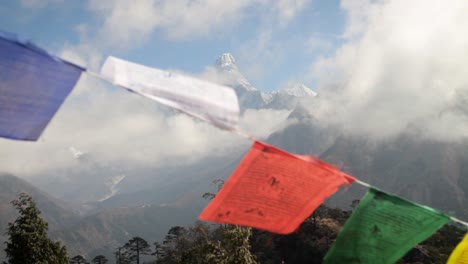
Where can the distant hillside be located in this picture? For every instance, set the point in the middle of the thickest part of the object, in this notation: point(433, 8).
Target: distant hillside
point(168, 184)
point(104, 232)
point(174, 197)
point(148, 207)
point(55, 212)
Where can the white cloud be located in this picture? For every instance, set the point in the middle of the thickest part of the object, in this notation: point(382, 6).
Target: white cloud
point(115, 127)
point(404, 63)
point(119, 129)
point(128, 23)
point(288, 9)
point(358, 12)
point(83, 54)
point(261, 123)
point(267, 55)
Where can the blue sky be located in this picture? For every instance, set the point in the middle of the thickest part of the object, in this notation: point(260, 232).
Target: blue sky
point(274, 43)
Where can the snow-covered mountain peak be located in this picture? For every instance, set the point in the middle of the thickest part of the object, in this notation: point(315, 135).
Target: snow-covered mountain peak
point(298, 90)
point(251, 98)
point(226, 62)
point(226, 65)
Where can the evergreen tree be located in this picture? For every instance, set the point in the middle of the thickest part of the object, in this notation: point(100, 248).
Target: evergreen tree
point(100, 259)
point(78, 259)
point(226, 244)
point(135, 247)
point(120, 256)
point(28, 241)
point(158, 250)
point(237, 245)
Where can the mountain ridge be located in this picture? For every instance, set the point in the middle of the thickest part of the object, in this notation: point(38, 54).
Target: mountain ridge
point(251, 97)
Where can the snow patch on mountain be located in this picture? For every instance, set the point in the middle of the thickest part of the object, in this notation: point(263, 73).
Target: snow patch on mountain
point(252, 98)
point(226, 62)
point(226, 65)
point(298, 90)
point(112, 184)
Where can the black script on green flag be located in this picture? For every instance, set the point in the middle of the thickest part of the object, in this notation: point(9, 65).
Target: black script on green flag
point(382, 229)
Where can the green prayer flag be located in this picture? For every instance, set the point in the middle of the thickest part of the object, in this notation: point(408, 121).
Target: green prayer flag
point(382, 229)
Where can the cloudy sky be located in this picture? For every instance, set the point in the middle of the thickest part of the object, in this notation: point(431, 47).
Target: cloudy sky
point(380, 67)
point(274, 42)
point(403, 66)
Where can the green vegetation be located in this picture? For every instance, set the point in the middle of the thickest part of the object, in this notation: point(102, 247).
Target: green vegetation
point(133, 249)
point(99, 260)
point(205, 243)
point(201, 244)
point(28, 241)
point(78, 259)
point(312, 240)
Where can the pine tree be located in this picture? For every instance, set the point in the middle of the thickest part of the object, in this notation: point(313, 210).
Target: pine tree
point(100, 259)
point(78, 259)
point(28, 241)
point(120, 256)
point(226, 244)
point(236, 244)
point(135, 247)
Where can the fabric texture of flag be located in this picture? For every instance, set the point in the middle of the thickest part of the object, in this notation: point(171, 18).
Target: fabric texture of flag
point(274, 190)
point(382, 229)
point(33, 85)
point(460, 254)
point(210, 102)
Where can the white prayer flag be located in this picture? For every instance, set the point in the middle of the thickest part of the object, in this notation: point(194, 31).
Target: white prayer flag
point(211, 102)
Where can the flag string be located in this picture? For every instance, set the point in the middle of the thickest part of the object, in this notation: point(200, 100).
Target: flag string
point(363, 183)
point(236, 131)
point(225, 116)
point(244, 135)
point(454, 219)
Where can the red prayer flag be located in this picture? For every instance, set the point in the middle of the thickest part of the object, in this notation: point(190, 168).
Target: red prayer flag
point(274, 190)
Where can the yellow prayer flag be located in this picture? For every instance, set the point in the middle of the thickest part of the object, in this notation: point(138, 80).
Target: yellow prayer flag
point(460, 254)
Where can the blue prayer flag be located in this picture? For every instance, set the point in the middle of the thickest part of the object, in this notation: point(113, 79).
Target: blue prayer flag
point(33, 85)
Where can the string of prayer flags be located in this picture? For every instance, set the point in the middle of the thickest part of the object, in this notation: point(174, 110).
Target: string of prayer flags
point(274, 190)
point(460, 254)
point(271, 189)
point(210, 102)
point(382, 229)
point(33, 85)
